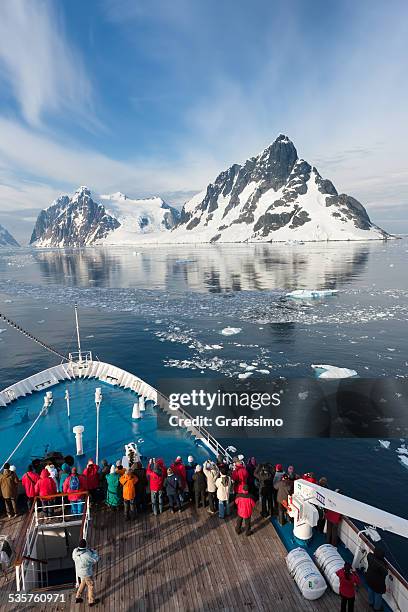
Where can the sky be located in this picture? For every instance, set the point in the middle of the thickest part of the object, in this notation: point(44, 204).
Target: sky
point(152, 97)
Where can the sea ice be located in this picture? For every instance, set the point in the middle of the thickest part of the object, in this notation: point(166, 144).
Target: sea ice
point(2, 331)
point(404, 460)
point(329, 371)
point(385, 443)
point(245, 375)
point(230, 331)
point(311, 293)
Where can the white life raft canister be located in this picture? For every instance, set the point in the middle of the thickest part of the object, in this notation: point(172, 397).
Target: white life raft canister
point(310, 581)
point(330, 561)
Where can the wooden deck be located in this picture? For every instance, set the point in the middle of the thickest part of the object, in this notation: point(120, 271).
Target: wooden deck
point(188, 562)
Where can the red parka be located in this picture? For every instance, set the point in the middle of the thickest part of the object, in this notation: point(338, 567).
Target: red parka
point(45, 485)
point(156, 480)
point(245, 505)
point(92, 476)
point(347, 585)
point(332, 516)
point(239, 477)
point(29, 481)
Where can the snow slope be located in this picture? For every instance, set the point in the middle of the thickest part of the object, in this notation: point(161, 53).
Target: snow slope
point(137, 217)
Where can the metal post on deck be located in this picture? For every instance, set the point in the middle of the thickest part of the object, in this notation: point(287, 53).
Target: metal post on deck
point(98, 400)
point(67, 400)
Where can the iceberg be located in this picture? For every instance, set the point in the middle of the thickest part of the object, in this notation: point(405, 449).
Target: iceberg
point(329, 371)
point(311, 293)
point(230, 331)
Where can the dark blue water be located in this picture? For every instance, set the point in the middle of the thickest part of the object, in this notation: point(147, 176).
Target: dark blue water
point(160, 313)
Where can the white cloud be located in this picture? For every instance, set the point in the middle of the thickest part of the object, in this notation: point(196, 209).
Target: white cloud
point(44, 72)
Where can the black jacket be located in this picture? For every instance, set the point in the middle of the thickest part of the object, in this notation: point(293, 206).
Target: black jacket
point(376, 573)
point(264, 474)
point(200, 482)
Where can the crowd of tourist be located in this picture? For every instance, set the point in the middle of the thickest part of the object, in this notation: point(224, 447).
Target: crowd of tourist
point(216, 485)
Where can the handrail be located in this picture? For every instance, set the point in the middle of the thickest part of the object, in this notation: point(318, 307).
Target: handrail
point(21, 539)
point(392, 570)
point(28, 558)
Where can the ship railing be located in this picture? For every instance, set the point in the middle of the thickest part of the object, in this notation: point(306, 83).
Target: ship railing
point(31, 572)
point(397, 586)
point(199, 431)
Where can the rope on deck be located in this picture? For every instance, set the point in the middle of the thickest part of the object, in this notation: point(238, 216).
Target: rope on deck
point(31, 337)
point(23, 438)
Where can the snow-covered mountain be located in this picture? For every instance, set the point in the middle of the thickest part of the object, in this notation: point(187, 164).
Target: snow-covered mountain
point(273, 197)
point(138, 217)
point(72, 222)
point(6, 239)
point(80, 221)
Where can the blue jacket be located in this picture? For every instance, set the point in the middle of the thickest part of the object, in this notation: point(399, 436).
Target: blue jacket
point(84, 559)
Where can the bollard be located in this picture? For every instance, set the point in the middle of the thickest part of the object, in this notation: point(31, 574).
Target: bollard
point(78, 431)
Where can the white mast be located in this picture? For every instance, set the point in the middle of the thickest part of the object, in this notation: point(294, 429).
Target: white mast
point(78, 336)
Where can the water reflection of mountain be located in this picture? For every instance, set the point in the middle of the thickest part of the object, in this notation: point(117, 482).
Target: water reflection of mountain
point(79, 267)
point(216, 269)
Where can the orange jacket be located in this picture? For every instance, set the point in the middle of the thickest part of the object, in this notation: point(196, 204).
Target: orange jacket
point(128, 482)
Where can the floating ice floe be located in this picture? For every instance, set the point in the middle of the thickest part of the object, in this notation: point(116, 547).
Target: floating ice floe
point(402, 450)
point(2, 331)
point(311, 293)
point(230, 331)
point(263, 371)
point(231, 449)
point(404, 460)
point(329, 371)
point(385, 443)
point(303, 395)
point(245, 375)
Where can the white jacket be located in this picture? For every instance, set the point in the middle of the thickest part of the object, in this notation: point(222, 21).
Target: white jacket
point(211, 475)
point(223, 491)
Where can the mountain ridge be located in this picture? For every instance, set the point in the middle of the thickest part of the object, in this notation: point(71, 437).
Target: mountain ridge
point(272, 197)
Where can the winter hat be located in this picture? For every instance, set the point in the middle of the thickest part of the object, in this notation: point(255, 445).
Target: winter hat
point(118, 463)
point(12, 468)
point(291, 469)
point(44, 474)
point(65, 467)
point(104, 462)
point(112, 469)
point(178, 458)
point(74, 470)
point(30, 468)
point(278, 467)
point(241, 457)
point(190, 458)
point(82, 543)
point(90, 461)
point(198, 468)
